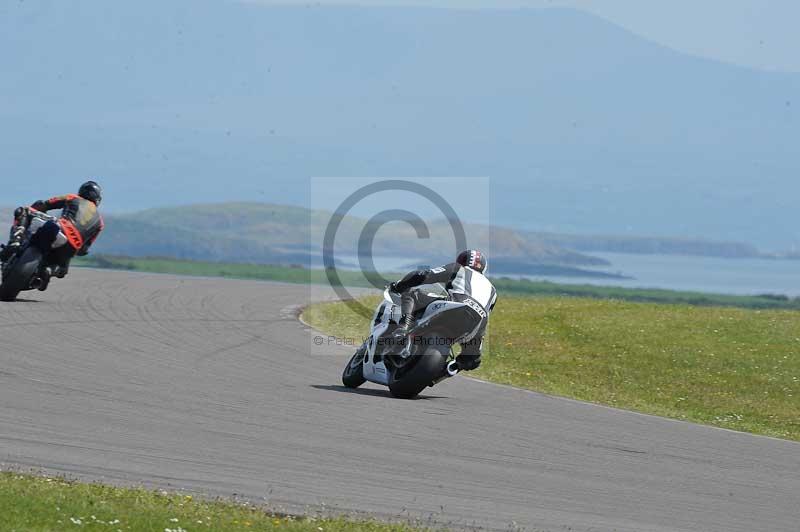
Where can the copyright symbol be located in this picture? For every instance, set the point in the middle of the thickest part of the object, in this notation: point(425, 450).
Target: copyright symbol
point(367, 237)
point(319, 340)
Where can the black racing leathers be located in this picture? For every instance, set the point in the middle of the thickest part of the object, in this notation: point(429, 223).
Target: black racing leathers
point(80, 220)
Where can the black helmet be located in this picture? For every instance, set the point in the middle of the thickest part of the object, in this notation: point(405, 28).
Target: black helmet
point(91, 191)
point(474, 259)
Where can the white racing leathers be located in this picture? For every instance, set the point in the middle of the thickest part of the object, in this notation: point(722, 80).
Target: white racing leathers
point(462, 284)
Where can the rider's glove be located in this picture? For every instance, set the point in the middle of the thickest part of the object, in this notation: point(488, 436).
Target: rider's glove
point(39, 205)
point(393, 288)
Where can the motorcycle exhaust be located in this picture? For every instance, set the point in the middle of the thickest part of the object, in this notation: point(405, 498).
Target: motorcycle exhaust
point(452, 368)
point(36, 283)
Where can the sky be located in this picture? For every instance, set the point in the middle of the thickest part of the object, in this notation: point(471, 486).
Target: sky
point(755, 33)
point(581, 125)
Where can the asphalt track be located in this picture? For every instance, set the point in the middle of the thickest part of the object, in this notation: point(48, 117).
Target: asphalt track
point(213, 386)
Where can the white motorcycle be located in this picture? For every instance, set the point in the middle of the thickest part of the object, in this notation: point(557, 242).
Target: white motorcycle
point(425, 358)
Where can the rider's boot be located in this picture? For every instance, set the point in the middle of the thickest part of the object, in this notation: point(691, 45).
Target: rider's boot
point(401, 333)
point(14, 243)
point(46, 274)
point(468, 362)
point(61, 270)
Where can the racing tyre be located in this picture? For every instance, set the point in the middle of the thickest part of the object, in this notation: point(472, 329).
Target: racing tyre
point(408, 381)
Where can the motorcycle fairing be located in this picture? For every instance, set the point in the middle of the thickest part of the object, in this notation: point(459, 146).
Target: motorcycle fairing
point(53, 237)
point(386, 318)
point(451, 316)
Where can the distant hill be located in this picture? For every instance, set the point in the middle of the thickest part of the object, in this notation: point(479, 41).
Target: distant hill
point(582, 126)
point(280, 234)
point(648, 245)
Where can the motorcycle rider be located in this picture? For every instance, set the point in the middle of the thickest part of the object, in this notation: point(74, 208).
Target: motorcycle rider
point(464, 280)
point(80, 224)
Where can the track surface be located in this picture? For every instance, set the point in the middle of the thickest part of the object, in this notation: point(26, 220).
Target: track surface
point(213, 386)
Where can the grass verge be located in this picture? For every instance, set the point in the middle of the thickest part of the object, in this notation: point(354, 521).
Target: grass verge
point(39, 504)
point(727, 367)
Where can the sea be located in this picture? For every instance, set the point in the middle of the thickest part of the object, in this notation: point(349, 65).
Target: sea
point(697, 274)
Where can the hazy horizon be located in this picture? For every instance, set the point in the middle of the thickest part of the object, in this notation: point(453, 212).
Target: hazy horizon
point(582, 126)
point(742, 32)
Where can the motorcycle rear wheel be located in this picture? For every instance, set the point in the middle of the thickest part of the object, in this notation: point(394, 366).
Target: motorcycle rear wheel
point(429, 366)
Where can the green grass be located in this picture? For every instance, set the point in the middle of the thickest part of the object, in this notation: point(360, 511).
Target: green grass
point(505, 286)
point(646, 295)
point(39, 504)
point(727, 367)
